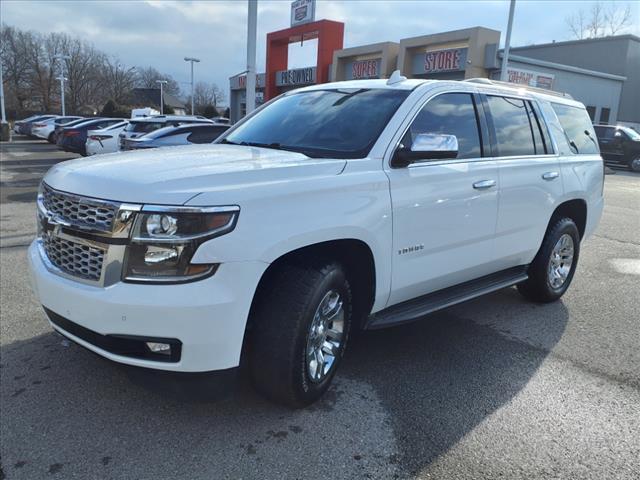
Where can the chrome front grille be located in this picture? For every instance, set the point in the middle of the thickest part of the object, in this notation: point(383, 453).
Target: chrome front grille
point(79, 211)
point(74, 258)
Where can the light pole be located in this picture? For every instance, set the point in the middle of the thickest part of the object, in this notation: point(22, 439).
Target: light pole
point(62, 78)
point(252, 23)
point(4, 115)
point(192, 60)
point(162, 83)
point(507, 43)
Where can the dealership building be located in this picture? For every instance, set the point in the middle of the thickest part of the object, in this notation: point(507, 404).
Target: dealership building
point(602, 73)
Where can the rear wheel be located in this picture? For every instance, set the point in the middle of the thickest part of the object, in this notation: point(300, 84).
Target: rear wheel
point(552, 269)
point(635, 164)
point(51, 138)
point(300, 331)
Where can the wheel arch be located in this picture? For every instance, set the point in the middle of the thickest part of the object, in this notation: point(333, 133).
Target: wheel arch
point(576, 209)
point(354, 254)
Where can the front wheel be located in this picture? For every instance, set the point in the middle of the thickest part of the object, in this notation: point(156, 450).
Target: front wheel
point(635, 165)
point(552, 269)
point(300, 329)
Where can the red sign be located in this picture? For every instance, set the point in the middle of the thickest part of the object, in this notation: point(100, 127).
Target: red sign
point(365, 69)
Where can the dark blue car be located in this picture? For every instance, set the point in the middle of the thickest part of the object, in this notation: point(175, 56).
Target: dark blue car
point(73, 138)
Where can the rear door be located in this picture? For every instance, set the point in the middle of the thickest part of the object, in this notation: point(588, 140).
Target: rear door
point(529, 173)
point(444, 211)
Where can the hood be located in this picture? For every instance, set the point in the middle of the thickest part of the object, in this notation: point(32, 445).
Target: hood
point(173, 175)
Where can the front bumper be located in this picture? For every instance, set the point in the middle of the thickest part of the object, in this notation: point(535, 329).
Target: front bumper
point(207, 317)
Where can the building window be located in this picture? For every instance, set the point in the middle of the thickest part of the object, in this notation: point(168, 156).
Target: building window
point(591, 110)
point(604, 115)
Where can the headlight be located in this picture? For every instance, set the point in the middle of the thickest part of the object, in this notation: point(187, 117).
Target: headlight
point(165, 239)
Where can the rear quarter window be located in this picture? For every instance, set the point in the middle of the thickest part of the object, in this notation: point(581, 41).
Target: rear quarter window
point(577, 128)
point(144, 127)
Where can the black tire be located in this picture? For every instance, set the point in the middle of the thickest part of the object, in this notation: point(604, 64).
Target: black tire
point(51, 138)
point(538, 287)
point(281, 321)
point(634, 165)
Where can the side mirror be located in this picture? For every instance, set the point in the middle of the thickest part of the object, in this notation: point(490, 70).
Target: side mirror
point(426, 146)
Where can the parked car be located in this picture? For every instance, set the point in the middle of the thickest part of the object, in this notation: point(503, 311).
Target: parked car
point(26, 126)
point(189, 134)
point(104, 140)
point(358, 204)
point(46, 128)
point(18, 123)
point(619, 145)
point(223, 120)
point(58, 128)
point(141, 126)
point(74, 138)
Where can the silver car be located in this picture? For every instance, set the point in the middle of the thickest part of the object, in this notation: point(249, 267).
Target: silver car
point(181, 135)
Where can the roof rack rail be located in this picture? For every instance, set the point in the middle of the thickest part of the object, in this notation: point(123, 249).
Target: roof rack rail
point(488, 81)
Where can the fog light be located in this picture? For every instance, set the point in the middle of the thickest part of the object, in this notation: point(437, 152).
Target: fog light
point(163, 348)
point(156, 255)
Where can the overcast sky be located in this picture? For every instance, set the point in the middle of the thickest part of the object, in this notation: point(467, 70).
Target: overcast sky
point(161, 33)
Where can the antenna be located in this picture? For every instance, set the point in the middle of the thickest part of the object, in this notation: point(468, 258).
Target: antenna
point(396, 77)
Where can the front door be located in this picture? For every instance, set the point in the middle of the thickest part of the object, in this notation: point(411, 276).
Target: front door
point(444, 211)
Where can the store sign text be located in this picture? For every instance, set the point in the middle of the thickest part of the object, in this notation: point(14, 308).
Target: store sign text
point(449, 60)
point(363, 69)
point(528, 77)
point(296, 76)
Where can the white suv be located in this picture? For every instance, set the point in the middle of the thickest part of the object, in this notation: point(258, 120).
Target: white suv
point(359, 204)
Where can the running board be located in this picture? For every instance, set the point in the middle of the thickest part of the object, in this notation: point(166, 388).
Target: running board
point(419, 307)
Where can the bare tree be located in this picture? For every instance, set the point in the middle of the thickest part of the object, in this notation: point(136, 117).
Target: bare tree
point(16, 72)
point(617, 19)
point(118, 79)
point(601, 20)
point(206, 95)
point(146, 78)
point(577, 23)
point(31, 65)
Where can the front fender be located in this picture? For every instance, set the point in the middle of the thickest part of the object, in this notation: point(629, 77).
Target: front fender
point(277, 219)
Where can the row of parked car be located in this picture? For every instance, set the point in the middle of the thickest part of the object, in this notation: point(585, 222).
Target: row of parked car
point(91, 136)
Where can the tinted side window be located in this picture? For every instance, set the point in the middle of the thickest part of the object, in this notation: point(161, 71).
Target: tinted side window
point(172, 133)
point(514, 133)
point(577, 127)
point(451, 114)
point(604, 132)
point(206, 134)
point(144, 127)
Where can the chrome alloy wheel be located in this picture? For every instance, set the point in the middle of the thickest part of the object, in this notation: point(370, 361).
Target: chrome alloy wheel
point(560, 261)
point(635, 164)
point(325, 336)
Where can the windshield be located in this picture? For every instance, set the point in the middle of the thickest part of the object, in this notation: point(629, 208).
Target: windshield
point(340, 123)
point(631, 132)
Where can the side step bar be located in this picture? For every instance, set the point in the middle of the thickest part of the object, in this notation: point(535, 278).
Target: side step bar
point(418, 307)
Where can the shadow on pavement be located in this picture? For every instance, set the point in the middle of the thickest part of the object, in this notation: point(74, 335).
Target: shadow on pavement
point(440, 377)
point(403, 397)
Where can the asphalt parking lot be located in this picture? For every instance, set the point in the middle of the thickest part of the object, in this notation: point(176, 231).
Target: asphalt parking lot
point(496, 387)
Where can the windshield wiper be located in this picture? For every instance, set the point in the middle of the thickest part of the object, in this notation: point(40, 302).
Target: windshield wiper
point(275, 146)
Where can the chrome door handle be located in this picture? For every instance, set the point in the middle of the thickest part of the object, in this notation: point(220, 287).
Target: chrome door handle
point(550, 175)
point(482, 184)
